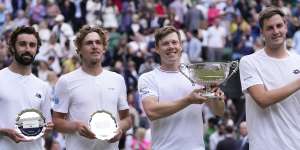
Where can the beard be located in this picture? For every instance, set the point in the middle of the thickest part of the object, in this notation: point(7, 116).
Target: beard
point(24, 59)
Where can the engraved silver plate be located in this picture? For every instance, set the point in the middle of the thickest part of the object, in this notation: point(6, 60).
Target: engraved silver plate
point(31, 124)
point(103, 125)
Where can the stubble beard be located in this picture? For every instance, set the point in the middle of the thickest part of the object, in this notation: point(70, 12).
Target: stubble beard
point(21, 59)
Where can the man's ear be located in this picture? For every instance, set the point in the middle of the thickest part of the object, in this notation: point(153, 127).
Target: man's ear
point(37, 50)
point(78, 53)
point(181, 48)
point(11, 50)
point(157, 49)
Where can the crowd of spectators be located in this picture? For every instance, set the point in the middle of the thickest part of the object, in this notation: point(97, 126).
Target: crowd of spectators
point(211, 30)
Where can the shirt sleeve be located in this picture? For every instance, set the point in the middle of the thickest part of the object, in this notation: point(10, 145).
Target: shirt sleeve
point(122, 99)
point(61, 96)
point(147, 87)
point(46, 104)
point(248, 74)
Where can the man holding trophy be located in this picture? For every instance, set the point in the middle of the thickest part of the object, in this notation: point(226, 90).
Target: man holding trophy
point(24, 99)
point(90, 103)
point(270, 79)
point(173, 103)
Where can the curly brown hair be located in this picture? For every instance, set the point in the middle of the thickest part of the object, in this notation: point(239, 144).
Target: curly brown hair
point(85, 30)
point(22, 30)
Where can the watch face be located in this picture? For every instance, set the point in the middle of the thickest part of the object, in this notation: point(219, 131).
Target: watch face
point(103, 125)
point(31, 124)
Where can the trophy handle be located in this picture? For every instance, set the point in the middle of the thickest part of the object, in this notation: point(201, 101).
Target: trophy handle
point(235, 66)
point(181, 67)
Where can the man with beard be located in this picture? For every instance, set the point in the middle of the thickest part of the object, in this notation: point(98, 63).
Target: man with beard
point(21, 90)
point(88, 90)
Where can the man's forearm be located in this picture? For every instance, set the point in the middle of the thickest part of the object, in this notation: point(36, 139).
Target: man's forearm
point(125, 123)
point(155, 110)
point(265, 98)
point(2, 132)
point(64, 126)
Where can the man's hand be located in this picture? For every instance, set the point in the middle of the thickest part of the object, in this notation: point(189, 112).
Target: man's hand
point(219, 93)
point(49, 127)
point(83, 130)
point(195, 97)
point(12, 134)
point(117, 137)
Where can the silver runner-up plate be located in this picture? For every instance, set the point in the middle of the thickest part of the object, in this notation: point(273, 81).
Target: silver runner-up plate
point(31, 124)
point(103, 125)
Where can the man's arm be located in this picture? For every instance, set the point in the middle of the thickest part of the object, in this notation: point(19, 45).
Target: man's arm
point(265, 98)
point(65, 126)
point(12, 134)
point(124, 125)
point(125, 120)
point(156, 109)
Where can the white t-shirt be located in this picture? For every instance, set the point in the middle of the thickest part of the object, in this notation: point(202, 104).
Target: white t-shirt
point(277, 126)
point(182, 130)
point(80, 95)
point(17, 93)
point(216, 36)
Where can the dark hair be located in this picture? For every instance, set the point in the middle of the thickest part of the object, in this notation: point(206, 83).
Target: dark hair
point(164, 31)
point(268, 13)
point(23, 30)
point(85, 30)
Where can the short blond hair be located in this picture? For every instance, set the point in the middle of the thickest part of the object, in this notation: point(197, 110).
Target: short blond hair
point(164, 31)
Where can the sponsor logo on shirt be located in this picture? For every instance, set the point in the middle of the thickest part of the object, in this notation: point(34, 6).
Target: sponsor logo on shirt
point(144, 91)
point(38, 95)
point(296, 71)
point(111, 88)
point(56, 100)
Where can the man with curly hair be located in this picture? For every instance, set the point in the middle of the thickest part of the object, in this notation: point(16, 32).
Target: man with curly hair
point(89, 89)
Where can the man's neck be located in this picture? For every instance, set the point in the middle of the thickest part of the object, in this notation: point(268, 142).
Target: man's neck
point(20, 69)
point(280, 52)
point(92, 69)
point(169, 68)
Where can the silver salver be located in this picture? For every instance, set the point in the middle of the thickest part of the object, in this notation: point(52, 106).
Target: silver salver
point(209, 74)
point(31, 124)
point(103, 124)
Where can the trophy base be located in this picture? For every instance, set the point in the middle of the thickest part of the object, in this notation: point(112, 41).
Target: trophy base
point(210, 96)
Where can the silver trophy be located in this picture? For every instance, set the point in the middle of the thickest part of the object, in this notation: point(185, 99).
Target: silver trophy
point(31, 124)
point(209, 74)
point(103, 125)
